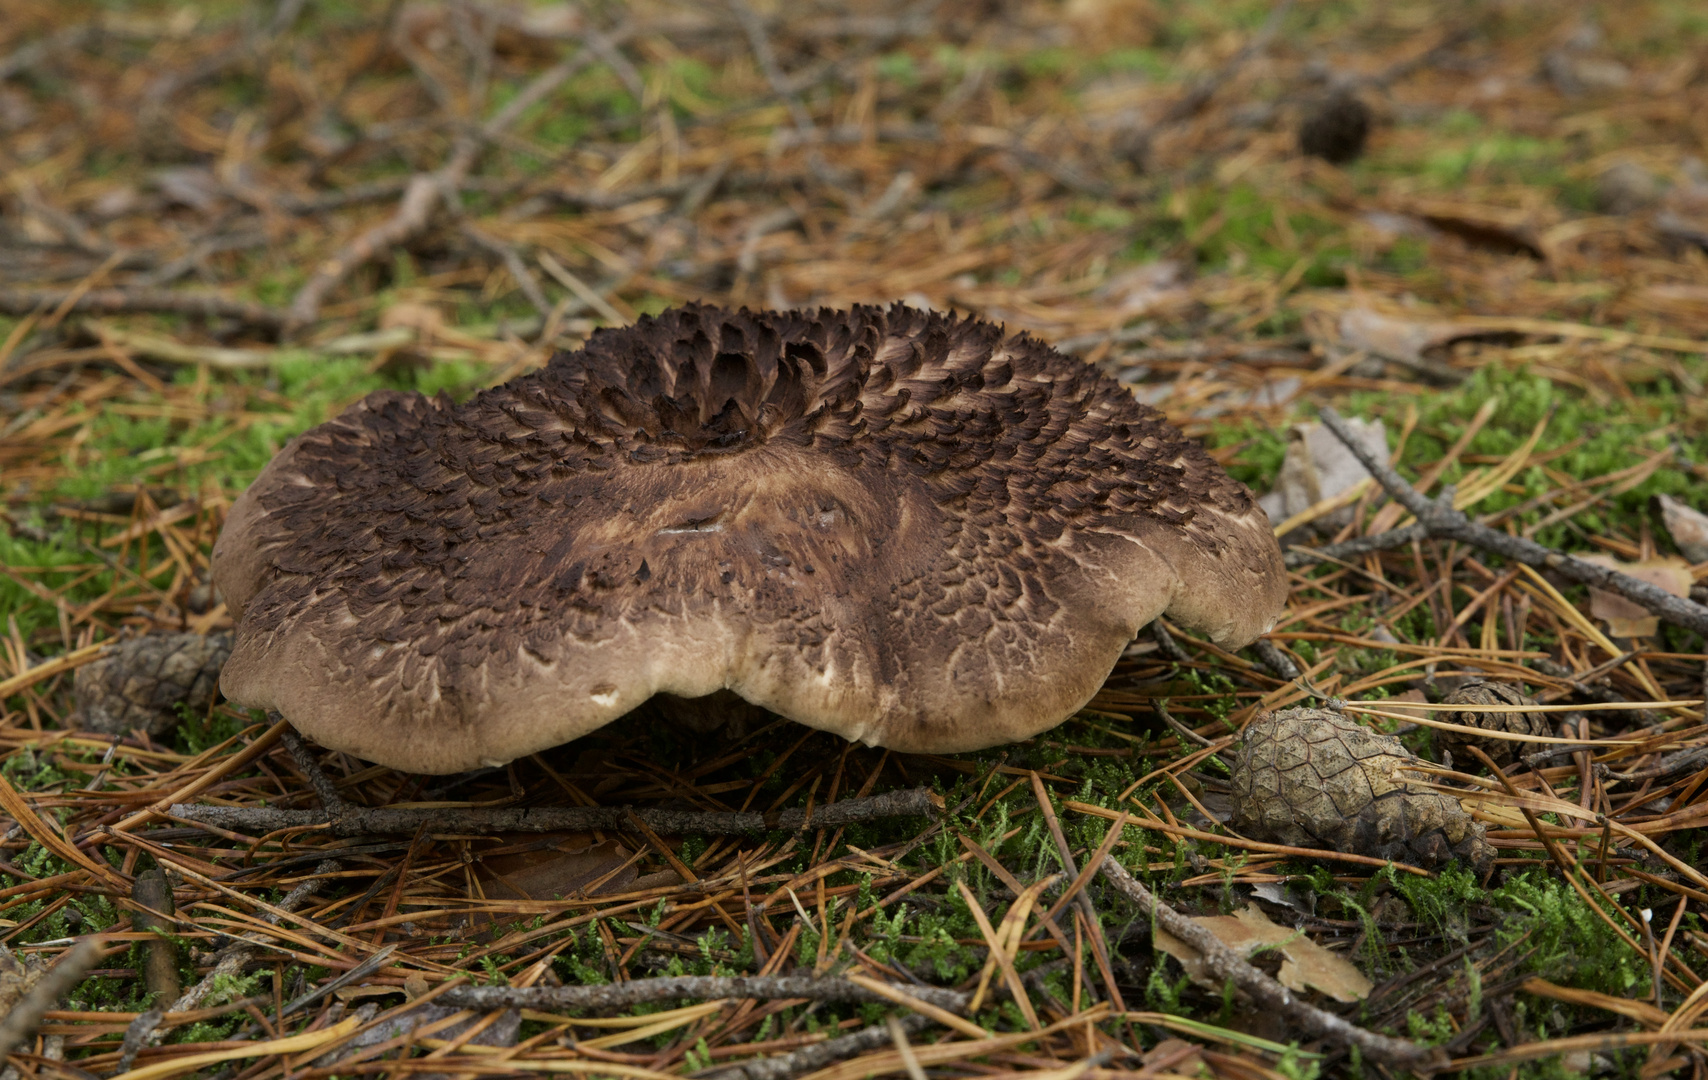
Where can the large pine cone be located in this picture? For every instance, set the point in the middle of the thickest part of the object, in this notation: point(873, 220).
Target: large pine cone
point(141, 683)
point(1500, 751)
point(1313, 778)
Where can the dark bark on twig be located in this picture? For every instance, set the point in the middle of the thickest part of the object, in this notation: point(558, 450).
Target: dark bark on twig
point(153, 892)
point(116, 301)
point(44, 994)
point(700, 987)
point(354, 975)
point(816, 1056)
point(422, 196)
point(1223, 963)
point(348, 819)
point(351, 820)
point(1276, 660)
point(1686, 761)
point(324, 790)
point(1447, 523)
point(231, 960)
point(1167, 646)
point(1297, 557)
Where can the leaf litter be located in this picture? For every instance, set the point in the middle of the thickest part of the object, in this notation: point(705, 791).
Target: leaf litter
point(221, 230)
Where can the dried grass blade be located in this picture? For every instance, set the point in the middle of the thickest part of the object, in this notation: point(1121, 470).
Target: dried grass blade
point(997, 941)
point(906, 1000)
point(292, 1045)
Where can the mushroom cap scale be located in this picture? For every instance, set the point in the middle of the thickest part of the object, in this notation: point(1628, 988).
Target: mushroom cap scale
point(910, 529)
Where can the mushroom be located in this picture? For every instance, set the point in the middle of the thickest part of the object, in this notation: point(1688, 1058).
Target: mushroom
point(907, 528)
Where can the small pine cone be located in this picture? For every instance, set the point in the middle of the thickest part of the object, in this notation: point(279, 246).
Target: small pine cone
point(141, 683)
point(1336, 129)
point(1482, 692)
point(1313, 778)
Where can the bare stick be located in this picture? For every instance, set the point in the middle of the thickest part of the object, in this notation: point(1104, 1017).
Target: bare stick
point(230, 961)
point(1297, 557)
point(700, 987)
point(116, 301)
point(351, 820)
point(512, 259)
point(1276, 660)
point(422, 196)
point(1167, 646)
point(818, 1055)
point(1451, 524)
point(1224, 963)
point(153, 893)
point(61, 979)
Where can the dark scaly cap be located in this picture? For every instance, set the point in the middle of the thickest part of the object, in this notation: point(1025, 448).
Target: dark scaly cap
point(907, 528)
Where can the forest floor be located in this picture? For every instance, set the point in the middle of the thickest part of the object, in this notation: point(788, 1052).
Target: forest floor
point(222, 223)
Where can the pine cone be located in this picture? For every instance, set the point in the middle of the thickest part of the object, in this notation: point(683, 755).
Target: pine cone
point(141, 683)
point(1313, 778)
point(1483, 692)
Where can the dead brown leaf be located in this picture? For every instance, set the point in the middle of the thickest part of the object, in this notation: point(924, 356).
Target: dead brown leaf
point(1624, 618)
point(553, 865)
point(1305, 965)
point(1687, 526)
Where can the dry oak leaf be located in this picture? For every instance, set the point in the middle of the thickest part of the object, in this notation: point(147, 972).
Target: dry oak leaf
point(552, 866)
point(1628, 620)
point(1688, 527)
point(1399, 338)
point(1305, 965)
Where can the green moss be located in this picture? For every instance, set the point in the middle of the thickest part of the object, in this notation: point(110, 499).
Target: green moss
point(1572, 945)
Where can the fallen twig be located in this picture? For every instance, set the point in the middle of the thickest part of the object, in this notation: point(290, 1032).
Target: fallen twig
point(701, 987)
point(1351, 549)
point(229, 962)
point(153, 893)
point(1224, 963)
point(348, 819)
point(352, 820)
point(1444, 521)
point(165, 301)
point(818, 1055)
point(44, 994)
point(424, 194)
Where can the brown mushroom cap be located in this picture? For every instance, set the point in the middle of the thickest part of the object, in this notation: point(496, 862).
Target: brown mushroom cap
point(903, 527)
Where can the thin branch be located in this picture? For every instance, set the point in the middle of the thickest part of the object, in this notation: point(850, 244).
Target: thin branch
point(701, 987)
point(818, 1055)
point(349, 819)
point(1225, 964)
point(229, 962)
point(117, 301)
point(1358, 546)
point(423, 195)
point(45, 992)
point(1444, 521)
point(1276, 660)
